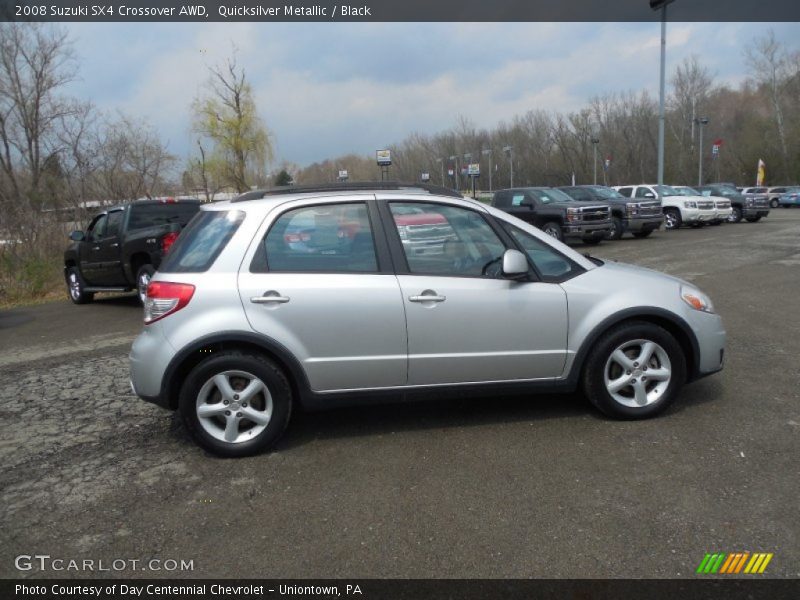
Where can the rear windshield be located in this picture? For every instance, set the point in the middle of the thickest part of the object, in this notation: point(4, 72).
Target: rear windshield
point(149, 215)
point(199, 245)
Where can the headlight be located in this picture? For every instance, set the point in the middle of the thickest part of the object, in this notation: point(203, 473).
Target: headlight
point(573, 214)
point(749, 201)
point(696, 299)
point(632, 209)
point(690, 204)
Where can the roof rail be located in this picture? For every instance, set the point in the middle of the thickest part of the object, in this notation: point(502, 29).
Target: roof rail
point(346, 187)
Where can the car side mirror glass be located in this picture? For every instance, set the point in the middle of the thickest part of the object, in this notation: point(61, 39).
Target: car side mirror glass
point(77, 236)
point(649, 195)
point(515, 265)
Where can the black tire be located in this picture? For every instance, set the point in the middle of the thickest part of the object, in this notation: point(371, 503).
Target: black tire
point(554, 230)
point(76, 287)
point(143, 277)
point(753, 219)
point(642, 234)
point(599, 358)
point(774, 203)
point(258, 366)
point(736, 215)
point(672, 218)
point(617, 229)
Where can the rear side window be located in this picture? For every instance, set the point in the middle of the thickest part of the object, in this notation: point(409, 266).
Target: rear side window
point(199, 245)
point(150, 215)
point(325, 238)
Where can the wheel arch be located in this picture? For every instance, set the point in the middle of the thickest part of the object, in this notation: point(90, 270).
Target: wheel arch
point(190, 356)
point(672, 323)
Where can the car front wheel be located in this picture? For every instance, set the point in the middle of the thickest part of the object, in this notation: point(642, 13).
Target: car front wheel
point(634, 371)
point(76, 288)
point(553, 229)
point(774, 203)
point(236, 404)
point(736, 215)
point(672, 218)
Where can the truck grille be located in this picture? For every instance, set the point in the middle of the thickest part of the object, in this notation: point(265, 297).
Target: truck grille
point(723, 203)
point(594, 213)
point(705, 204)
point(760, 202)
point(650, 209)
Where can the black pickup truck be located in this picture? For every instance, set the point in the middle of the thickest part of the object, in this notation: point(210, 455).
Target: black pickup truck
point(640, 216)
point(555, 213)
point(123, 246)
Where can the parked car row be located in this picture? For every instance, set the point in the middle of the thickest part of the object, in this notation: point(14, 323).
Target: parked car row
point(781, 196)
point(592, 213)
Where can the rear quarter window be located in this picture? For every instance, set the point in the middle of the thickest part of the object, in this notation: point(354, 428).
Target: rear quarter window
point(202, 241)
point(150, 215)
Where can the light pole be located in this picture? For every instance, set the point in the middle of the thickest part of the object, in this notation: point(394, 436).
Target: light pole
point(454, 159)
point(510, 151)
point(441, 162)
point(662, 6)
point(488, 152)
point(595, 141)
point(701, 121)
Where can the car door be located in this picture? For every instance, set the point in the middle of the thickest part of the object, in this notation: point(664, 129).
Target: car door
point(465, 322)
point(320, 282)
point(108, 254)
point(89, 255)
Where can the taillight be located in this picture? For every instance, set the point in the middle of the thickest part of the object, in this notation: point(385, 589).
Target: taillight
point(165, 298)
point(168, 240)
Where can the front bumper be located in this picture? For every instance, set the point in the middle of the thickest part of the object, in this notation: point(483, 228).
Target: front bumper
point(711, 338)
point(598, 229)
point(723, 213)
point(643, 223)
point(698, 215)
point(755, 211)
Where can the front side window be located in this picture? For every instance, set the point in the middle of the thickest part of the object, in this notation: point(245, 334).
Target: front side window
point(97, 230)
point(114, 223)
point(447, 240)
point(551, 265)
point(626, 191)
point(325, 238)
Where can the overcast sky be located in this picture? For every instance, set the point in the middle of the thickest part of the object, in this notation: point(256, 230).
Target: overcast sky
point(328, 89)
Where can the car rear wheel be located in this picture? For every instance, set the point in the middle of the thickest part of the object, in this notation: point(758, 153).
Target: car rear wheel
point(672, 218)
point(143, 277)
point(736, 215)
point(236, 404)
point(76, 288)
point(634, 371)
point(553, 229)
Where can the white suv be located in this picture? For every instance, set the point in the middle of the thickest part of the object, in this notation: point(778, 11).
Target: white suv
point(313, 297)
point(678, 209)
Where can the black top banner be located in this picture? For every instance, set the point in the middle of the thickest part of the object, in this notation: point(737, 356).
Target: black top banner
point(402, 10)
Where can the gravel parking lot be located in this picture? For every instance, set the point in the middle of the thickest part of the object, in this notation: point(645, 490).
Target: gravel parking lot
point(493, 487)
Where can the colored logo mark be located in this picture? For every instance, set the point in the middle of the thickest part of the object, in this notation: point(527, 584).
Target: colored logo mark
point(731, 563)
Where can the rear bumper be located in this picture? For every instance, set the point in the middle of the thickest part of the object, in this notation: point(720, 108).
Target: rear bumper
point(149, 357)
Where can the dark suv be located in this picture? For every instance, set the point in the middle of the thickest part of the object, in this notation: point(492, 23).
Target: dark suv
point(123, 246)
point(555, 213)
point(640, 216)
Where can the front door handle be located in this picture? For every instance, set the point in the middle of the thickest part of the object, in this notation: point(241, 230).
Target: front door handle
point(427, 296)
point(271, 297)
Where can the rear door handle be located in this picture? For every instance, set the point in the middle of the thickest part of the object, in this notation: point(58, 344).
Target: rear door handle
point(427, 296)
point(270, 297)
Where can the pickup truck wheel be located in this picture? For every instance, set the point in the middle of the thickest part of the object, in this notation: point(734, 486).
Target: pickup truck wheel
point(672, 218)
point(553, 229)
point(235, 404)
point(76, 287)
point(617, 229)
point(753, 219)
point(634, 371)
point(642, 234)
point(143, 277)
point(736, 215)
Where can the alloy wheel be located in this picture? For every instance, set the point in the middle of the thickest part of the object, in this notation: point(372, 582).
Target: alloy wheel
point(637, 373)
point(234, 406)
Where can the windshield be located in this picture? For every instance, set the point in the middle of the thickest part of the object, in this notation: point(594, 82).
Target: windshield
point(553, 195)
point(687, 191)
point(665, 190)
point(605, 192)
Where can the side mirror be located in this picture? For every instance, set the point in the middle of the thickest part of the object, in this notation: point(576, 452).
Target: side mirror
point(77, 236)
point(515, 265)
point(649, 195)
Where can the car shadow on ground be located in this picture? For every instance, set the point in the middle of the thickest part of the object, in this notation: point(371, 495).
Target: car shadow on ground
point(118, 300)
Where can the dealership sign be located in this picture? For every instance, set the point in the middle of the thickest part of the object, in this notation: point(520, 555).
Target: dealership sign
point(384, 158)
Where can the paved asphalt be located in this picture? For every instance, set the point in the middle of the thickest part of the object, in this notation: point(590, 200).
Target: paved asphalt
point(493, 487)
